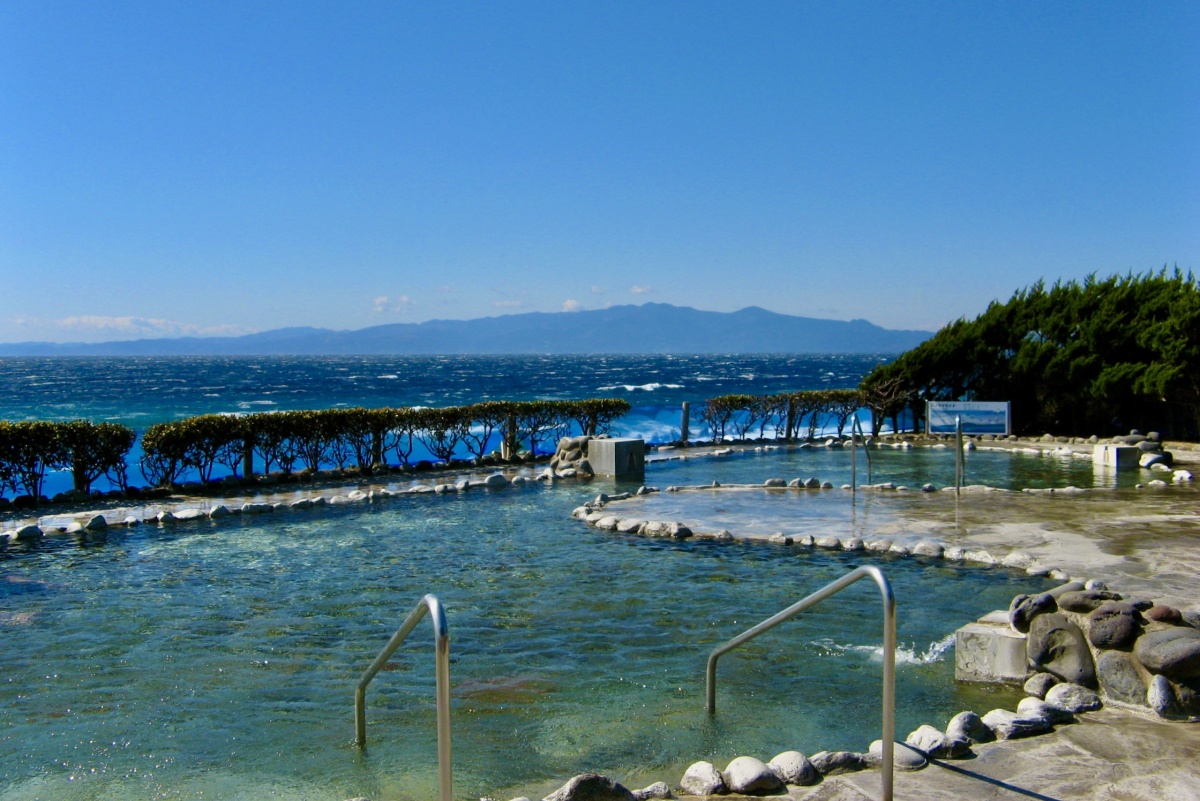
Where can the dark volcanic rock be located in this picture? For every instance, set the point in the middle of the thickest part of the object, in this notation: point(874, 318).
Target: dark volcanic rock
point(591, 787)
point(1056, 645)
point(1024, 608)
point(1086, 600)
point(1113, 625)
point(1173, 652)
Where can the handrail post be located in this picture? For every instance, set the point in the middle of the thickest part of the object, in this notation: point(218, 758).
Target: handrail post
point(959, 467)
point(441, 646)
point(889, 655)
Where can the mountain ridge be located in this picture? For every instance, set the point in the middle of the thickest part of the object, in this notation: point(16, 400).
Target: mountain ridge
point(645, 328)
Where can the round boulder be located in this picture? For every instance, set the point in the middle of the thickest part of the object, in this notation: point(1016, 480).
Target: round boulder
point(1056, 645)
point(1024, 608)
point(1164, 614)
point(793, 767)
point(703, 778)
point(1072, 698)
point(1120, 679)
point(591, 787)
point(970, 727)
point(1113, 624)
point(1173, 652)
point(1039, 684)
point(749, 776)
point(1084, 601)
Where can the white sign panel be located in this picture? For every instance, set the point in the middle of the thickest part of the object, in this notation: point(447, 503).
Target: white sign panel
point(978, 417)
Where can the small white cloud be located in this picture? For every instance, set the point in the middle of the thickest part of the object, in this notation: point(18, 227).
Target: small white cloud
point(396, 304)
point(637, 289)
point(571, 305)
point(597, 289)
point(507, 304)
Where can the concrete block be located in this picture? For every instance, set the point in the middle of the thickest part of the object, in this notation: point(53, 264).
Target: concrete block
point(1116, 457)
point(988, 652)
point(617, 457)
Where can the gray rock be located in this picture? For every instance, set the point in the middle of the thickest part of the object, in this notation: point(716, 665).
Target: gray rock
point(496, 481)
point(97, 523)
point(779, 538)
point(584, 468)
point(904, 756)
point(1056, 645)
point(1010, 726)
point(1173, 652)
point(1039, 684)
point(1072, 698)
point(1070, 586)
point(828, 542)
point(591, 787)
point(218, 511)
point(656, 790)
point(1120, 679)
point(774, 482)
point(852, 544)
point(1024, 608)
point(831, 763)
point(970, 727)
point(27, 533)
point(703, 778)
point(750, 776)
point(812, 483)
point(1084, 601)
point(793, 767)
point(926, 548)
point(1159, 696)
point(879, 546)
point(898, 550)
point(1037, 709)
point(630, 526)
point(1114, 624)
point(1017, 559)
point(191, 514)
point(936, 744)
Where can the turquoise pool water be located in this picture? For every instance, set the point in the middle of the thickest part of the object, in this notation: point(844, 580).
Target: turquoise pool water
point(218, 661)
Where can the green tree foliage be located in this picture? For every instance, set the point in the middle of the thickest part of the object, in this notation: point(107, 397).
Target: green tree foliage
point(27, 450)
point(96, 449)
point(1074, 358)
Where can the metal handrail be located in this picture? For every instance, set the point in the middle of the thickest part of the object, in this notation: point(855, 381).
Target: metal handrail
point(441, 648)
point(889, 655)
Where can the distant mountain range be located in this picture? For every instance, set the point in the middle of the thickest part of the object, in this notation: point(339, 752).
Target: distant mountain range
point(649, 328)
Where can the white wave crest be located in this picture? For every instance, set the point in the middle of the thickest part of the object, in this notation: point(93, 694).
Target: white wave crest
point(904, 656)
point(631, 387)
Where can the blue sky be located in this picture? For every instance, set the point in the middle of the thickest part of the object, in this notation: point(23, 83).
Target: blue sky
point(206, 168)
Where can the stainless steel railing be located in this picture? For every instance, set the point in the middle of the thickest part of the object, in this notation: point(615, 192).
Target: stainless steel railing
point(441, 648)
point(889, 655)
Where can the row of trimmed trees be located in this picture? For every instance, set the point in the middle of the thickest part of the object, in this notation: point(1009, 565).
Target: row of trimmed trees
point(30, 449)
point(1091, 357)
point(793, 415)
point(284, 441)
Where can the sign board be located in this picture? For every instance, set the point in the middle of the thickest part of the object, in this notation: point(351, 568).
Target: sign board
point(977, 417)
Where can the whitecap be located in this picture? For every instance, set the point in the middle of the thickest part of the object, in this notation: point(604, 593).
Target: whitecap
point(904, 656)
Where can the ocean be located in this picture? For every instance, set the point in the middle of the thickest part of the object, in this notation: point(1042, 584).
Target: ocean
point(140, 391)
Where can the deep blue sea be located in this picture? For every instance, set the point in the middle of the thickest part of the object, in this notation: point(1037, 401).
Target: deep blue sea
point(140, 391)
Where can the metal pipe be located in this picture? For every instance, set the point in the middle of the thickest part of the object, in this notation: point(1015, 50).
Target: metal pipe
point(889, 655)
point(959, 467)
point(441, 648)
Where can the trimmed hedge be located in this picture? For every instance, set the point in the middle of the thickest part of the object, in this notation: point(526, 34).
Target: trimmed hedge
point(282, 440)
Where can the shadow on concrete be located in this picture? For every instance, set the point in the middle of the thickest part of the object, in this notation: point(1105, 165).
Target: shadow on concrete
point(1012, 788)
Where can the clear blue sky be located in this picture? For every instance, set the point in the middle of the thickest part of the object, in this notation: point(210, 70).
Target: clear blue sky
point(207, 167)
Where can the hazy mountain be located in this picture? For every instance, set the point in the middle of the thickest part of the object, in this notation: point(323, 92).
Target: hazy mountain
point(649, 328)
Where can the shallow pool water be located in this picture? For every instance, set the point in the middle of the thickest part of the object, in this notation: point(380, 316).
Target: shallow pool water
point(219, 660)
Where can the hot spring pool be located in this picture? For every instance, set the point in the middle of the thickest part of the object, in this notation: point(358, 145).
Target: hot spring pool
point(219, 661)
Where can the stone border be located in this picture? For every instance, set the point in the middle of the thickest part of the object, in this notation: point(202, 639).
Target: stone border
point(93, 526)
